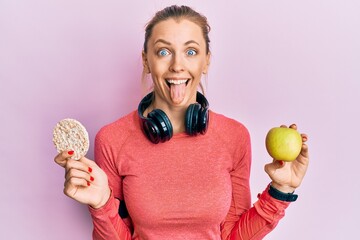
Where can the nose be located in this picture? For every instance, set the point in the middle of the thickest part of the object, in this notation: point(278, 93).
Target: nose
point(177, 64)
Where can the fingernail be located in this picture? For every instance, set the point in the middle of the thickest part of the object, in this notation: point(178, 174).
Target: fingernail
point(90, 169)
point(92, 178)
point(71, 152)
point(281, 163)
point(88, 183)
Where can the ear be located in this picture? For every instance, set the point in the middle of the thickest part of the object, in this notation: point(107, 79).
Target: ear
point(206, 68)
point(145, 63)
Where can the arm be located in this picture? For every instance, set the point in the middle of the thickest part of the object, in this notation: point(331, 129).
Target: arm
point(87, 183)
point(256, 222)
point(244, 221)
point(106, 220)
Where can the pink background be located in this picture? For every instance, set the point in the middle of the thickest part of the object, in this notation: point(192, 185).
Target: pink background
point(273, 62)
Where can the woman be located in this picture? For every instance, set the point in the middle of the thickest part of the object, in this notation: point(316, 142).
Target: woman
point(182, 170)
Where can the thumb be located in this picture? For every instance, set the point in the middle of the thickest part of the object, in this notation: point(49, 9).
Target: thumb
point(87, 161)
point(93, 166)
point(270, 168)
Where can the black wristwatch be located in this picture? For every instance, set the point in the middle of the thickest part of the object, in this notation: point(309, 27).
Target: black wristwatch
point(287, 197)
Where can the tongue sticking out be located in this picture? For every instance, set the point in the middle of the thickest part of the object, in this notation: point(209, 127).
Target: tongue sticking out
point(177, 92)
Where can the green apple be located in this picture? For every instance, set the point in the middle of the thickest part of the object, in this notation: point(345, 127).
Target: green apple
point(283, 143)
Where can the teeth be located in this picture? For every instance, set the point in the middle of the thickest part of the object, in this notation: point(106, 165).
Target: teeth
point(171, 81)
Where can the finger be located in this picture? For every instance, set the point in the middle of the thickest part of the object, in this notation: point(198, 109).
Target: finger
point(71, 186)
point(87, 161)
point(283, 126)
point(75, 164)
point(272, 167)
point(304, 151)
point(76, 182)
point(293, 126)
point(304, 137)
point(90, 163)
point(280, 163)
point(62, 157)
point(75, 173)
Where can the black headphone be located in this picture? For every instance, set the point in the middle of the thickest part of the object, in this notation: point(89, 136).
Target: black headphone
point(157, 125)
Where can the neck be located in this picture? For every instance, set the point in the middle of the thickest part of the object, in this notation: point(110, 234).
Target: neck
point(177, 118)
point(174, 113)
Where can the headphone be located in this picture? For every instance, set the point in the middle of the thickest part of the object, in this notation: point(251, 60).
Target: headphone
point(157, 126)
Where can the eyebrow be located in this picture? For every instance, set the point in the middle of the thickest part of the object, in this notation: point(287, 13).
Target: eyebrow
point(168, 43)
point(192, 41)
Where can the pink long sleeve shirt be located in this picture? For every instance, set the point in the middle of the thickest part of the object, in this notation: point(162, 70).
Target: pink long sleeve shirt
point(186, 188)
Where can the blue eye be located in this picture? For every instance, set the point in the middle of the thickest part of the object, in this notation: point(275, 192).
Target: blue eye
point(191, 52)
point(163, 52)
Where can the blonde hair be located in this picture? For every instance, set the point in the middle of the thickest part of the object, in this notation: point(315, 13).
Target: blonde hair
point(178, 13)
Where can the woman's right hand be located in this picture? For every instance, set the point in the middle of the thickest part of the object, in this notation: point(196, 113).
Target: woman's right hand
point(85, 181)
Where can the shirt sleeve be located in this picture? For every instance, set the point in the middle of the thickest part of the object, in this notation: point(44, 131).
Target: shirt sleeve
point(106, 220)
point(243, 221)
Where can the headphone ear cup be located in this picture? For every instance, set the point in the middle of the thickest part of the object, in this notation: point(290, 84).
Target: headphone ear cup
point(152, 131)
point(191, 119)
point(203, 121)
point(162, 122)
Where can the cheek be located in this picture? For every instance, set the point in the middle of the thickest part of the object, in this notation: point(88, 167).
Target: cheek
point(158, 67)
point(198, 68)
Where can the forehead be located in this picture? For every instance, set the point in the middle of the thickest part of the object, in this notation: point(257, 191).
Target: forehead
point(180, 31)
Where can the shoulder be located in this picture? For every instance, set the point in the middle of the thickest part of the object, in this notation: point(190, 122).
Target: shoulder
point(227, 126)
point(232, 135)
point(118, 130)
point(229, 133)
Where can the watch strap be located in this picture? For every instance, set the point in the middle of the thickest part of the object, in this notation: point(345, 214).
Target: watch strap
point(287, 197)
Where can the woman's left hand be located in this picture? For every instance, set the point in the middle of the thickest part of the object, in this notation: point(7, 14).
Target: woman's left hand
point(287, 176)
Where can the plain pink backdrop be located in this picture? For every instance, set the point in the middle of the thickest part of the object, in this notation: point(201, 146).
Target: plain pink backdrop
point(273, 62)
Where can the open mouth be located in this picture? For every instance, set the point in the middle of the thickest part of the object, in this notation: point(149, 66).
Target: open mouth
point(169, 82)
